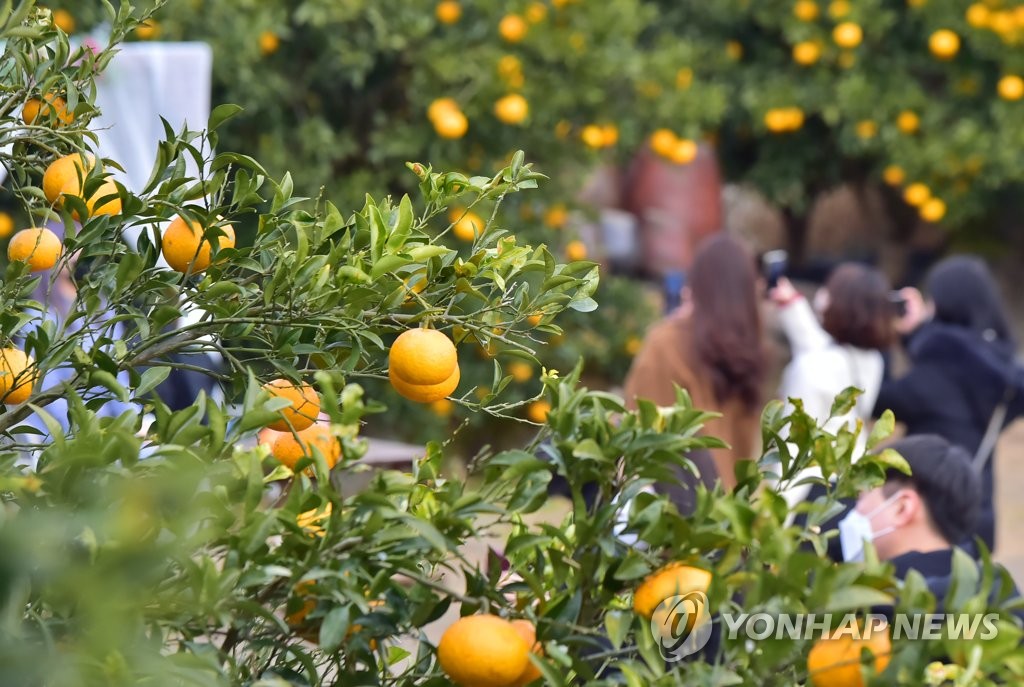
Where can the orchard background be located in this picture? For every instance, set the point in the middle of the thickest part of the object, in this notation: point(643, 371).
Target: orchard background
point(181, 552)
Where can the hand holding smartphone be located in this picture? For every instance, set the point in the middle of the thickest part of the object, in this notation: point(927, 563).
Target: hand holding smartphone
point(773, 267)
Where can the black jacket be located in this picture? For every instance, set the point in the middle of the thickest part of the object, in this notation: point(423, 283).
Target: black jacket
point(956, 382)
point(937, 569)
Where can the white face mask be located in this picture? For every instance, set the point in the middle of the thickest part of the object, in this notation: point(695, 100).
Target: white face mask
point(855, 529)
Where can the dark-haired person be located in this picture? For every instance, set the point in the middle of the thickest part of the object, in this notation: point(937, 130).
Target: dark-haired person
point(842, 351)
point(963, 383)
point(711, 346)
point(914, 521)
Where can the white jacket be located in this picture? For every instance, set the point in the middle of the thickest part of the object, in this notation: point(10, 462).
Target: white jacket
point(820, 370)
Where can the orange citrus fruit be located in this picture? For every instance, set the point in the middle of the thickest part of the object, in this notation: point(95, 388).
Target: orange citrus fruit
point(848, 35)
point(610, 134)
point(894, 175)
point(908, 122)
point(442, 407)
point(917, 194)
point(304, 408)
point(556, 216)
point(684, 151)
point(51, 105)
point(65, 176)
point(866, 129)
point(17, 376)
point(536, 12)
point(64, 21)
point(775, 120)
point(1011, 87)
point(441, 106)
point(633, 345)
point(576, 250)
point(593, 136)
point(806, 53)
point(838, 9)
point(674, 579)
point(511, 109)
point(39, 247)
point(6, 225)
point(836, 662)
point(269, 43)
point(978, 15)
point(148, 30)
point(734, 49)
point(933, 210)
point(538, 411)
point(944, 44)
point(289, 448)
point(1003, 23)
point(521, 371)
point(528, 632)
point(448, 11)
point(467, 224)
point(663, 142)
point(483, 651)
point(185, 247)
point(535, 319)
point(423, 365)
point(512, 28)
point(451, 124)
point(806, 10)
point(106, 192)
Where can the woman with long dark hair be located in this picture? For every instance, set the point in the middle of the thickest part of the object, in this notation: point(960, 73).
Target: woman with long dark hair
point(963, 384)
point(711, 346)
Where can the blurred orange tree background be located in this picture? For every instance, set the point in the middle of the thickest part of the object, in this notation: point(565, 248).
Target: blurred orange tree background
point(918, 98)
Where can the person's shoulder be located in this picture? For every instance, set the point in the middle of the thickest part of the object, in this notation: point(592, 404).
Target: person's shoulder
point(670, 329)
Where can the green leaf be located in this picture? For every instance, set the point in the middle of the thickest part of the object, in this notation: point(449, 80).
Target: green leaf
point(388, 263)
point(617, 624)
point(426, 252)
point(427, 531)
point(588, 448)
point(891, 459)
point(856, 597)
point(883, 429)
point(151, 379)
point(221, 114)
point(334, 628)
point(403, 224)
point(633, 566)
point(845, 402)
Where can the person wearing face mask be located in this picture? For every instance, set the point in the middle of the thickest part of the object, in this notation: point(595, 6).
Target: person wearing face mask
point(914, 521)
point(963, 383)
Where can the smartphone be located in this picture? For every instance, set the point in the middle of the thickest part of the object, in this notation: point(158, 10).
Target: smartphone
point(673, 286)
point(899, 303)
point(773, 266)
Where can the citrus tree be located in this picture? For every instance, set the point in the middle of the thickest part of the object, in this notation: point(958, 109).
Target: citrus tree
point(245, 541)
point(346, 115)
point(917, 97)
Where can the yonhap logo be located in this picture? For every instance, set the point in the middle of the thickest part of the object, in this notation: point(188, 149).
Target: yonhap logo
point(682, 625)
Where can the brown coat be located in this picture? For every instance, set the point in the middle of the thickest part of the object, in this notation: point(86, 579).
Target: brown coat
point(665, 360)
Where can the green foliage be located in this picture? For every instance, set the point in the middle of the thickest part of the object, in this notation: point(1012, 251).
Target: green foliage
point(180, 553)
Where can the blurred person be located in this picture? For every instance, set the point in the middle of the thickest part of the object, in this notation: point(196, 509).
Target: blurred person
point(914, 521)
point(963, 384)
point(843, 350)
point(711, 346)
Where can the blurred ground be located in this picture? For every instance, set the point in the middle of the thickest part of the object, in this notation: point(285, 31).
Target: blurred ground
point(1010, 501)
